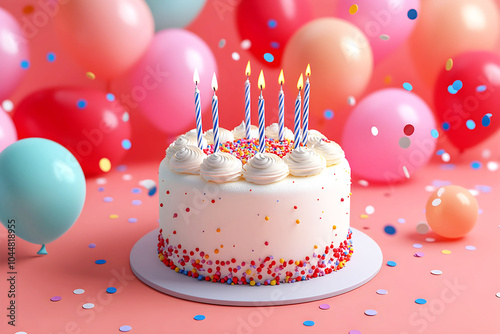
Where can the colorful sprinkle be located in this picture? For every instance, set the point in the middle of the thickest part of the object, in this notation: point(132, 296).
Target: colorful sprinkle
point(486, 121)
point(92, 245)
point(420, 301)
point(408, 129)
point(419, 254)
point(328, 113)
point(308, 323)
point(457, 85)
point(25, 64)
point(81, 104)
point(476, 164)
point(199, 317)
point(110, 97)
point(391, 263)
point(417, 246)
point(126, 144)
point(470, 124)
point(434, 133)
point(449, 64)
point(272, 23)
point(51, 57)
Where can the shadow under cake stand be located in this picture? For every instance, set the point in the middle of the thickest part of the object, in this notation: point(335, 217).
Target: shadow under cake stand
point(364, 264)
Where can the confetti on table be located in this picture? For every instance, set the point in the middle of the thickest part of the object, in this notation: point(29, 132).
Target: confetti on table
point(419, 254)
point(132, 220)
point(136, 202)
point(369, 210)
point(471, 248)
point(498, 295)
point(100, 261)
point(78, 291)
point(125, 328)
point(446, 251)
point(353, 9)
point(88, 306)
point(324, 306)
point(111, 290)
point(199, 317)
point(371, 312)
point(420, 301)
point(430, 239)
point(55, 298)
point(436, 272)
point(309, 323)
point(381, 292)
point(389, 229)
point(391, 263)
point(108, 199)
point(422, 228)
point(92, 245)
point(354, 331)
point(105, 165)
point(113, 216)
point(417, 246)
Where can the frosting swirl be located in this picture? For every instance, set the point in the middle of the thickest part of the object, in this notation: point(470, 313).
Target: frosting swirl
point(265, 168)
point(224, 136)
point(187, 160)
point(272, 131)
point(314, 136)
point(221, 167)
point(303, 161)
point(239, 131)
point(179, 143)
point(330, 150)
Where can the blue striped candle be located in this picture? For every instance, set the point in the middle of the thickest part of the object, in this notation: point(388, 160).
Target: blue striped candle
point(281, 108)
point(215, 115)
point(296, 129)
point(197, 106)
point(262, 115)
point(247, 103)
point(305, 115)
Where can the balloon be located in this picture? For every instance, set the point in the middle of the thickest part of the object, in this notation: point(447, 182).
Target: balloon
point(388, 135)
point(105, 37)
point(382, 17)
point(451, 211)
point(174, 14)
point(13, 51)
point(161, 83)
point(341, 66)
point(469, 114)
point(269, 24)
point(42, 189)
point(8, 133)
point(81, 119)
point(447, 28)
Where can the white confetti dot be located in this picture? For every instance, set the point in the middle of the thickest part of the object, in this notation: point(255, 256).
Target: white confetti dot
point(469, 247)
point(78, 291)
point(127, 177)
point(222, 43)
point(88, 306)
point(351, 100)
point(20, 333)
point(381, 292)
point(369, 210)
point(235, 56)
point(407, 173)
point(440, 191)
point(384, 37)
point(422, 228)
point(246, 44)
point(445, 157)
point(436, 202)
point(101, 180)
point(374, 130)
point(436, 272)
point(7, 105)
point(125, 116)
point(486, 153)
point(492, 166)
point(429, 188)
point(474, 192)
point(363, 183)
point(498, 294)
point(417, 246)
point(430, 239)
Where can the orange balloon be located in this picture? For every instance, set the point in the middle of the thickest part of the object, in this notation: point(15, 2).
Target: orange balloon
point(451, 211)
point(447, 28)
point(341, 66)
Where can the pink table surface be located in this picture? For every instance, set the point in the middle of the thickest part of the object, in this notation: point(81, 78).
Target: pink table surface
point(461, 300)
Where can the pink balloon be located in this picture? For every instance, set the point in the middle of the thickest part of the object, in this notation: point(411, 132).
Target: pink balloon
point(161, 84)
point(382, 17)
point(8, 133)
point(387, 132)
point(13, 50)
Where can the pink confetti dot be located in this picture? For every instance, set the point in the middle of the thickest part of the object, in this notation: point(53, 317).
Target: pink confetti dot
point(419, 254)
point(56, 298)
point(324, 306)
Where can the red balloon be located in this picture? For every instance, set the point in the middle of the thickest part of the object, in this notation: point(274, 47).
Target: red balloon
point(84, 121)
point(269, 25)
point(467, 96)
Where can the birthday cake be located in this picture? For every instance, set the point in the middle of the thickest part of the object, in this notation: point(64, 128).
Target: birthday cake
point(238, 216)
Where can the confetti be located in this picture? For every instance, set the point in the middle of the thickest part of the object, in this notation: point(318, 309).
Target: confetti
point(401, 220)
point(268, 57)
point(498, 294)
point(78, 291)
point(7, 105)
point(470, 248)
point(111, 290)
point(412, 14)
point(245, 44)
point(81, 104)
point(105, 165)
point(363, 183)
point(445, 157)
point(150, 185)
point(408, 129)
point(436, 272)
point(272, 23)
point(430, 239)
point(55, 298)
point(486, 121)
point(417, 246)
point(136, 202)
point(386, 37)
point(90, 75)
point(389, 229)
point(121, 168)
point(371, 312)
point(492, 166)
point(235, 56)
point(445, 126)
point(369, 209)
point(353, 9)
point(100, 261)
point(110, 97)
point(125, 116)
point(434, 133)
point(51, 57)
point(328, 113)
point(108, 199)
point(470, 124)
point(436, 201)
point(127, 177)
point(404, 142)
point(480, 88)
point(475, 164)
point(422, 228)
point(101, 180)
point(88, 306)
point(391, 263)
point(407, 86)
point(406, 172)
point(374, 131)
point(25, 64)
point(113, 216)
point(419, 254)
point(446, 251)
point(199, 317)
point(125, 328)
point(420, 301)
point(354, 331)
point(351, 100)
point(449, 64)
point(381, 292)
point(457, 85)
point(132, 220)
point(324, 306)
point(308, 323)
point(275, 45)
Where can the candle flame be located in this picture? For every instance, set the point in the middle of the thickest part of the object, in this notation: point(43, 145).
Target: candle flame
point(281, 78)
point(248, 70)
point(261, 82)
point(215, 86)
point(300, 83)
point(308, 70)
point(196, 77)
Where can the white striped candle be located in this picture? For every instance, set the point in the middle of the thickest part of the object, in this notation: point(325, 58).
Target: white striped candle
point(197, 107)
point(262, 115)
point(305, 115)
point(281, 108)
point(247, 103)
point(296, 129)
point(215, 115)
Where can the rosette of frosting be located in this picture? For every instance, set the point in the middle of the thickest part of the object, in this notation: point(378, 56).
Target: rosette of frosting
point(272, 131)
point(187, 160)
point(303, 161)
point(239, 131)
point(192, 135)
point(221, 167)
point(265, 168)
point(180, 142)
point(314, 136)
point(330, 150)
point(224, 136)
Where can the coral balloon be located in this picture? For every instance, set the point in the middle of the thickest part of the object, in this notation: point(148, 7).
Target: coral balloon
point(82, 120)
point(161, 84)
point(13, 51)
point(451, 211)
point(341, 66)
point(105, 37)
point(447, 28)
point(469, 113)
point(174, 14)
point(8, 133)
point(270, 24)
point(382, 17)
point(42, 189)
point(388, 135)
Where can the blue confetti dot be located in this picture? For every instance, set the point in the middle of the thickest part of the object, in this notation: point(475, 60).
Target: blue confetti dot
point(25, 64)
point(434, 133)
point(136, 202)
point(486, 120)
point(111, 289)
point(199, 317)
point(101, 189)
point(329, 114)
point(272, 23)
point(371, 312)
point(121, 168)
point(152, 191)
point(420, 301)
point(92, 245)
point(452, 90)
point(475, 164)
point(81, 104)
point(126, 144)
point(110, 97)
point(136, 190)
point(125, 328)
point(100, 261)
point(480, 88)
point(51, 57)
point(391, 263)
point(407, 86)
point(389, 229)
point(309, 323)
point(275, 45)
point(108, 199)
point(440, 152)
point(457, 85)
point(412, 14)
point(132, 220)
point(268, 57)
point(445, 126)
point(470, 124)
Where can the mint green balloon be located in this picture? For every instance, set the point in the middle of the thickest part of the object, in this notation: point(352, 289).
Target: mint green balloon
point(42, 189)
point(175, 13)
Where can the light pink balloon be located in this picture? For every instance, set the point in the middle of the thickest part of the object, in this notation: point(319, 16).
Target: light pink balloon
point(374, 138)
point(381, 17)
point(8, 133)
point(13, 50)
point(161, 84)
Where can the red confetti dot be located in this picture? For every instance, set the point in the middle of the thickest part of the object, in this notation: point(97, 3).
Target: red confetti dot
point(174, 232)
point(188, 209)
point(408, 129)
point(213, 201)
point(168, 192)
point(161, 205)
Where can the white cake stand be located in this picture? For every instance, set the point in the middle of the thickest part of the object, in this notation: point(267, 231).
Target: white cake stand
point(365, 263)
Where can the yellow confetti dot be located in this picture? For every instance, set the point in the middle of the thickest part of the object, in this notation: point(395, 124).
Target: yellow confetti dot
point(334, 227)
point(105, 165)
point(113, 216)
point(353, 9)
point(446, 251)
point(248, 272)
point(90, 75)
point(364, 216)
point(273, 282)
point(218, 230)
point(387, 79)
point(297, 221)
point(216, 251)
point(266, 218)
point(449, 64)
point(252, 283)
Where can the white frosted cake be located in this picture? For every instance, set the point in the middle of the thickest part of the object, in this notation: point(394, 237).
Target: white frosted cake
point(241, 217)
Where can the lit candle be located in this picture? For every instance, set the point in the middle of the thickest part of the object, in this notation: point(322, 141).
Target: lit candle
point(281, 108)
point(305, 115)
point(215, 115)
point(247, 102)
point(197, 105)
point(262, 116)
point(296, 129)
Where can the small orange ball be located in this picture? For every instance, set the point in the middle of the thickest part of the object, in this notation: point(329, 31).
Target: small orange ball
point(452, 211)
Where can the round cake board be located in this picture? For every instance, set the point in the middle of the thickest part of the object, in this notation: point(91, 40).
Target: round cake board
point(365, 263)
